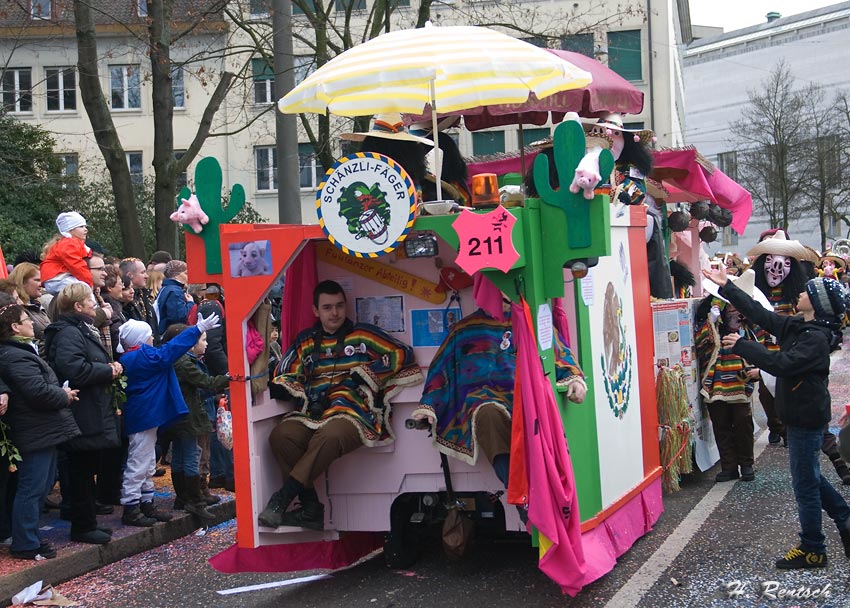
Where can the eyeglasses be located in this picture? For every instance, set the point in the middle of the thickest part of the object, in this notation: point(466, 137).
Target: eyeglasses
point(24, 320)
point(97, 268)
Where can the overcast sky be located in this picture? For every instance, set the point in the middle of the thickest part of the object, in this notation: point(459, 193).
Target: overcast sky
point(735, 14)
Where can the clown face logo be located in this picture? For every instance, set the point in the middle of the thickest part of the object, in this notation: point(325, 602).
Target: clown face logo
point(366, 204)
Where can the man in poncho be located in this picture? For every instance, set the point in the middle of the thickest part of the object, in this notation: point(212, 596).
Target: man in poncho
point(343, 375)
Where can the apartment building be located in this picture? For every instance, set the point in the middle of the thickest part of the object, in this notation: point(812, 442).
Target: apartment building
point(721, 68)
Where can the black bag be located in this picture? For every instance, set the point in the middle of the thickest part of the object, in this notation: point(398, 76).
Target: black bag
point(458, 529)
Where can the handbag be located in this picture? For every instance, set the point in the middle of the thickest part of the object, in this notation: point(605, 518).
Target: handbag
point(224, 424)
point(458, 529)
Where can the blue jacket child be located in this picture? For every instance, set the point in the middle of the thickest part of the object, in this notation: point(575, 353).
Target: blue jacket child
point(154, 399)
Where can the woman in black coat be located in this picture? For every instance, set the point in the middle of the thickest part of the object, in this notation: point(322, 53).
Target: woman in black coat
point(40, 418)
point(75, 352)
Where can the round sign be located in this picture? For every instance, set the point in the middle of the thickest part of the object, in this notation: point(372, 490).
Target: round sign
point(366, 204)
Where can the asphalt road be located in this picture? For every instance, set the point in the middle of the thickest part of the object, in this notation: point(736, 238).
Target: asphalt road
point(714, 545)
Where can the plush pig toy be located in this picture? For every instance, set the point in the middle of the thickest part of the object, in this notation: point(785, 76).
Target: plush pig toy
point(587, 173)
point(189, 212)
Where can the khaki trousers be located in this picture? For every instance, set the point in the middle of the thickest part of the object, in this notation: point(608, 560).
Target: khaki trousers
point(492, 431)
point(304, 453)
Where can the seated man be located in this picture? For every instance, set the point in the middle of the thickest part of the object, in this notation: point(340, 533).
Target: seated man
point(469, 393)
point(343, 374)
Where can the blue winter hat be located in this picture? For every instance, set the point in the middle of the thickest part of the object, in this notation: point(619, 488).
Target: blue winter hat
point(828, 299)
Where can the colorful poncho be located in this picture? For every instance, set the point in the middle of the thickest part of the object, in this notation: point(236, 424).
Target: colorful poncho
point(722, 371)
point(476, 365)
point(358, 369)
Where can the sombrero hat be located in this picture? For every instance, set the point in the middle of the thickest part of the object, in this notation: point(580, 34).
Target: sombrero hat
point(837, 259)
point(614, 122)
point(780, 244)
point(746, 282)
point(592, 138)
point(387, 126)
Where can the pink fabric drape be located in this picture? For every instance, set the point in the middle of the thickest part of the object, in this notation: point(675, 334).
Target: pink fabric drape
point(296, 311)
point(487, 296)
point(553, 502)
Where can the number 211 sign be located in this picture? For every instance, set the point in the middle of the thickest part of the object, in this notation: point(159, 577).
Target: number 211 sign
point(486, 240)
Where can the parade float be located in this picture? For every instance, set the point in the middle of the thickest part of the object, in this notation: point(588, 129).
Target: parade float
point(396, 267)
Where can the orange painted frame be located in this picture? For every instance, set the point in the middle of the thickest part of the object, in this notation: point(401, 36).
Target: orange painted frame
point(243, 295)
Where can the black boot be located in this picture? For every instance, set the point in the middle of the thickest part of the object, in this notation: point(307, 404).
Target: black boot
point(178, 481)
point(149, 510)
point(279, 502)
point(194, 500)
point(209, 497)
point(133, 516)
point(844, 533)
point(311, 513)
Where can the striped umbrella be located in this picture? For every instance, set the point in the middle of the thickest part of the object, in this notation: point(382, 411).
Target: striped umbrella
point(454, 68)
point(450, 68)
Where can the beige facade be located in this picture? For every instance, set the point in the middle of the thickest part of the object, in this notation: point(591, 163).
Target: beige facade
point(648, 50)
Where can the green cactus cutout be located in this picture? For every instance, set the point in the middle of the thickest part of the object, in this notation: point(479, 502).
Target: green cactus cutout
point(208, 180)
point(569, 146)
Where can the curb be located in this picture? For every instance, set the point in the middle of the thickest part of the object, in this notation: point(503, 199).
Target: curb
point(71, 563)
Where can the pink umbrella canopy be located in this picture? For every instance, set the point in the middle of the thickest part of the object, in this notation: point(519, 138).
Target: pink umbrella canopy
point(609, 92)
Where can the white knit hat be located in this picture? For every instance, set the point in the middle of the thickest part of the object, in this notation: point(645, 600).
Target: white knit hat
point(133, 333)
point(69, 220)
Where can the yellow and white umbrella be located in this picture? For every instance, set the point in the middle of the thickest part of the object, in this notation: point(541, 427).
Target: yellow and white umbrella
point(438, 68)
point(455, 68)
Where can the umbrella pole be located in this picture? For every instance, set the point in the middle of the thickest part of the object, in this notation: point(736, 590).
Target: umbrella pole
point(438, 169)
point(521, 156)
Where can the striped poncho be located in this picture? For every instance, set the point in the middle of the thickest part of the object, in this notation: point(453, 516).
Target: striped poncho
point(723, 372)
point(476, 365)
point(358, 369)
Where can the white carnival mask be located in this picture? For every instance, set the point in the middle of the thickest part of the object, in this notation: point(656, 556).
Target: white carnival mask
point(776, 268)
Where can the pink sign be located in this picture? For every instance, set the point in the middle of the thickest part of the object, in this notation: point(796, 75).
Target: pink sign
point(486, 240)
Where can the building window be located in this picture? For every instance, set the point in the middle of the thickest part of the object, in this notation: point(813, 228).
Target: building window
point(304, 66)
point(266, 163)
point(529, 136)
point(134, 162)
point(299, 7)
point(40, 9)
point(833, 226)
point(829, 150)
point(70, 165)
point(182, 178)
point(309, 167)
point(624, 55)
point(578, 43)
point(259, 8)
point(353, 5)
point(730, 237)
point(178, 88)
point(488, 142)
point(125, 87)
point(142, 8)
point(61, 89)
point(399, 3)
point(728, 163)
point(263, 75)
point(535, 40)
point(633, 126)
point(17, 90)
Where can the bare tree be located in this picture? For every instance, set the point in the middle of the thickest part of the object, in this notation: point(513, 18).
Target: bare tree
point(822, 161)
point(104, 130)
point(772, 138)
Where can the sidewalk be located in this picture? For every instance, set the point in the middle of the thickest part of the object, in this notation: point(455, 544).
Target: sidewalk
point(75, 559)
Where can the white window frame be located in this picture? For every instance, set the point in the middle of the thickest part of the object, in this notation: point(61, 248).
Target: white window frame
point(269, 162)
point(126, 76)
point(62, 89)
point(316, 172)
point(304, 66)
point(137, 181)
point(15, 108)
point(39, 14)
point(177, 74)
point(142, 8)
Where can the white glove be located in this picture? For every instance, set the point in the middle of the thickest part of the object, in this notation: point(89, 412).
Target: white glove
point(211, 322)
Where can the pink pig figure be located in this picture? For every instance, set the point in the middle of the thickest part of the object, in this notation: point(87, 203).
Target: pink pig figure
point(190, 212)
point(587, 173)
